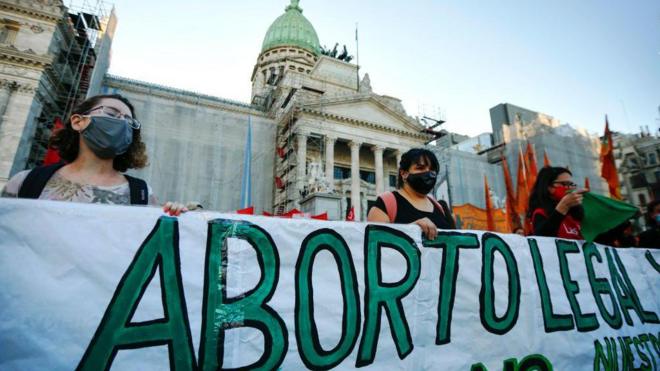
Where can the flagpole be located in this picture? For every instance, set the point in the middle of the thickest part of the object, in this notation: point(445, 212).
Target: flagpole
point(357, 55)
point(246, 186)
point(448, 188)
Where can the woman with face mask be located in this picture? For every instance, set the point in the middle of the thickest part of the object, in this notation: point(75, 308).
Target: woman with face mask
point(99, 142)
point(411, 202)
point(651, 237)
point(555, 206)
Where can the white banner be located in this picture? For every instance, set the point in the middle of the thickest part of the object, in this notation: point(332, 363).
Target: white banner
point(107, 287)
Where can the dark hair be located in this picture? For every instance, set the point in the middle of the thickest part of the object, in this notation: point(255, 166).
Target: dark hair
point(650, 221)
point(418, 156)
point(67, 141)
point(541, 198)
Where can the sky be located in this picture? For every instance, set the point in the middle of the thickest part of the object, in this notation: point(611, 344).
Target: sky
point(573, 60)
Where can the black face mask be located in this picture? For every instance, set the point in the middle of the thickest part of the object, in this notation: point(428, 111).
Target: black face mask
point(422, 182)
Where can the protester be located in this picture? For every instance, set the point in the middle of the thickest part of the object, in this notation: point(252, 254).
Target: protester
point(651, 237)
point(411, 202)
point(100, 141)
point(619, 236)
point(555, 204)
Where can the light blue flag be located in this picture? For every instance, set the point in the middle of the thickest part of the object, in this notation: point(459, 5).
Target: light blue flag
point(246, 184)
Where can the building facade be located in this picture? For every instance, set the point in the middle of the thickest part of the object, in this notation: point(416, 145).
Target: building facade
point(316, 128)
point(472, 159)
point(637, 160)
point(48, 63)
point(27, 36)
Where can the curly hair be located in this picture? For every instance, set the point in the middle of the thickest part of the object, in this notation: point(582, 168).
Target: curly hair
point(67, 141)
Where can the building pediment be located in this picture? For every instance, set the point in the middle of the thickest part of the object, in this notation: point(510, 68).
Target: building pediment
point(369, 110)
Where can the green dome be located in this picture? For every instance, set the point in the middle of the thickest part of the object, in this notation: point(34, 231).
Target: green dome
point(292, 29)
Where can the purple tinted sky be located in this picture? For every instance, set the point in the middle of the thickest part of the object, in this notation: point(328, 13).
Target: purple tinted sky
point(574, 60)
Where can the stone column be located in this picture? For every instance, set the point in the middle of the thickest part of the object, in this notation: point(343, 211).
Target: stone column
point(355, 179)
point(6, 89)
point(330, 160)
point(301, 166)
point(17, 130)
point(398, 153)
point(378, 160)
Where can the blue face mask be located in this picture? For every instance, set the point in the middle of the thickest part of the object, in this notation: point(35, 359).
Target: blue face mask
point(108, 137)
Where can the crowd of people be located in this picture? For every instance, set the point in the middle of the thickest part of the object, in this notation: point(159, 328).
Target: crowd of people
point(101, 140)
point(555, 205)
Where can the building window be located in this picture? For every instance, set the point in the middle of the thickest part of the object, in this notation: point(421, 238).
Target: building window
point(342, 172)
point(368, 176)
point(638, 181)
point(8, 31)
point(393, 180)
point(652, 160)
point(633, 163)
point(642, 199)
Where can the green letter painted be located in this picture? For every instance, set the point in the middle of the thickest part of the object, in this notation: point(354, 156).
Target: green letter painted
point(533, 362)
point(644, 339)
point(623, 279)
point(584, 322)
point(450, 243)
point(551, 321)
point(601, 286)
point(116, 331)
point(309, 346)
point(492, 243)
point(221, 313)
point(379, 295)
point(646, 362)
point(607, 362)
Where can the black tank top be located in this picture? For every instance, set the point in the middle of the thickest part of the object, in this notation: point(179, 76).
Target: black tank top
point(406, 213)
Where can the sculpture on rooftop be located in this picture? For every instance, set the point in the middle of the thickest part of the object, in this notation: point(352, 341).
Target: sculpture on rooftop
point(332, 53)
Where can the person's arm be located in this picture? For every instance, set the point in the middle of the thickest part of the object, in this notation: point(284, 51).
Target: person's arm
point(547, 226)
point(378, 213)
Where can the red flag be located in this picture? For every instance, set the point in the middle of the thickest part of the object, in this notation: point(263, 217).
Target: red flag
point(291, 213)
point(512, 217)
point(587, 185)
point(530, 164)
point(546, 160)
point(246, 211)
point(323, 216)
point(490, 219)
point(351, 215)
point(608, 169)
point(279, 183)
point(522, 192)
point(280, 152)
point(53, 156)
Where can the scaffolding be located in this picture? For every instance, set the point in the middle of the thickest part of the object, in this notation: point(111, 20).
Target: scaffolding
point(68, 78)
point(287, 191)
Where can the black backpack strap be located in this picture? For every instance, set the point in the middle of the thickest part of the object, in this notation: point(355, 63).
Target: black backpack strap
point(448, 215)
point(138, 190)
point(36, 180)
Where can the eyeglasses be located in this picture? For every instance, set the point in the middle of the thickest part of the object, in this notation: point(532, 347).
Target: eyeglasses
point(115, 113)
point(566, 184)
